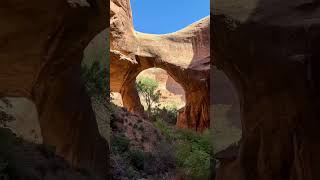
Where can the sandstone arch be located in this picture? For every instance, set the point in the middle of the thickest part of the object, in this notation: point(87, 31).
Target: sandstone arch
point(265, 48)
point(41, 48)
point(183, 54)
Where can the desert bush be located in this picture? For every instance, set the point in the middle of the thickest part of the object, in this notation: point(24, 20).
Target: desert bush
point(168, 114)
point(136, 157)
point(95, 79)
point(132, 173)
point(165, 129)
point(197, 164)
point(141, 128)
point(120, 144)
point(128, 161)
point(194, 152)
point(4, 116)
point(161, 160)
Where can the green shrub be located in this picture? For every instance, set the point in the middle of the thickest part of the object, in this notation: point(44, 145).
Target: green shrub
point(137, 158)
point(141, 128)
point(120, 144)
point(165, 129)
point(132, 173)
point(168, 114)
point(205, 142)
point(183, 150)
point(95, 78)
point(160, 160)
point(193, 152)
point(197, 164)
point(4, 116)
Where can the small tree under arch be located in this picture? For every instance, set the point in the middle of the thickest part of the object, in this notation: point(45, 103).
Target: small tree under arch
point(147, 88)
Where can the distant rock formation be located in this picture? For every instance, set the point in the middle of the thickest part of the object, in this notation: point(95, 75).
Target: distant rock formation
point(172, 93)
point(185, 55)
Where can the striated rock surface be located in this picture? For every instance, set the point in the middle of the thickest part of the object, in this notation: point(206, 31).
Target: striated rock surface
point(41, 48)
point(183, 54)
point(270, 50)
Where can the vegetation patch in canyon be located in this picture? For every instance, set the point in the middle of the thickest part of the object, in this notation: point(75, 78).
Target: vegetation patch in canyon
point(192, 150)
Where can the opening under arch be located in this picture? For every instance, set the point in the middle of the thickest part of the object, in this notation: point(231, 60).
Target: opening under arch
point(25, 120)
point(225, 112)
point(172, 93)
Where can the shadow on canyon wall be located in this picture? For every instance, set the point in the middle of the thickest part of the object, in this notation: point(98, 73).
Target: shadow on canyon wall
point(46, 70)
point(269, 50)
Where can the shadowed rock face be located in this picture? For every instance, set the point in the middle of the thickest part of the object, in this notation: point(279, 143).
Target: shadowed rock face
point(224, 92)
point(41, 48)
point(270, 50)
point(183, 54)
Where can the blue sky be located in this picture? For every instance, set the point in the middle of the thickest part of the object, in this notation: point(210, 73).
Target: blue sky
point(166, 16)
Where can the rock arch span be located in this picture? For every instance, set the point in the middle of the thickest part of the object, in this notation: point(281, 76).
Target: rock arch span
point(183, 54)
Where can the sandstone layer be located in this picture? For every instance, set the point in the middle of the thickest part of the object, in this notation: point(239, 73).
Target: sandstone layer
point(270, 51)
point(41, 48)
point(183, 54)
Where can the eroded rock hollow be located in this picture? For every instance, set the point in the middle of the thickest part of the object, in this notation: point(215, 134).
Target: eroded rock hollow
point(183, 54)
point(270, 50)
point(41, 48)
